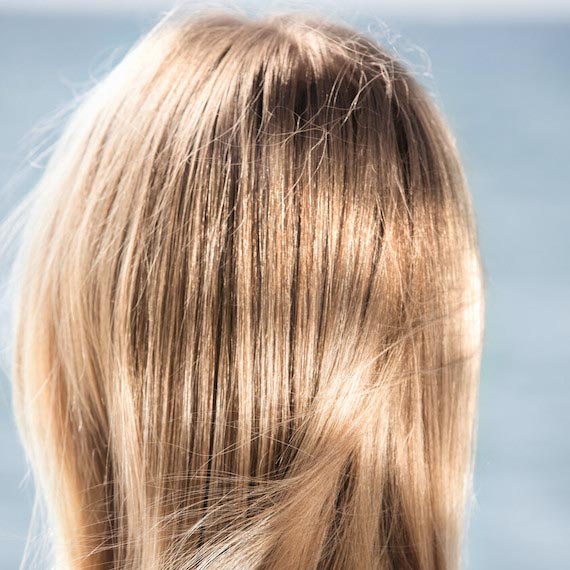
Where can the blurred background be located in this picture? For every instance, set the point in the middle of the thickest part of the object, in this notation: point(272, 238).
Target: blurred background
point(500, 70)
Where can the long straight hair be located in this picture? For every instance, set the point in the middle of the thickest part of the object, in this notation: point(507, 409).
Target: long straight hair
point(250, 309)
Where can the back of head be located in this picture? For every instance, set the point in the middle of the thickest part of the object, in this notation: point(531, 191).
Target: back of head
point(250, 314)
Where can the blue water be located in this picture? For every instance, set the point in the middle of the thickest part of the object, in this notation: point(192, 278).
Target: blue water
point(505, 89)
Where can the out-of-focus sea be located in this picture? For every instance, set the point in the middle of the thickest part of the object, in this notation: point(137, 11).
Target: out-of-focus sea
point(505, 89)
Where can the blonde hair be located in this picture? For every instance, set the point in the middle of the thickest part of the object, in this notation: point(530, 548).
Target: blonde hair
point(250, 309)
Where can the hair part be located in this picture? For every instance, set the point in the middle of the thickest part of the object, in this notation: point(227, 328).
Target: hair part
point(249, 318)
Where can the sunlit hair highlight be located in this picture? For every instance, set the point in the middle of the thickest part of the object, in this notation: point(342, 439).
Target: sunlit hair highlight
point(250, 309)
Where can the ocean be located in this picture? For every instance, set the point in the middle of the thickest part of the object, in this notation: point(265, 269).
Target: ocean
point(505, 89)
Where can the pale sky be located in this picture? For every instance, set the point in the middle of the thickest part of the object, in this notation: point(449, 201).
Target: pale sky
point(433, 9)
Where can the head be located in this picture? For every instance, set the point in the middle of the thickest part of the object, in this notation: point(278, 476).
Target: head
point(249, 315)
